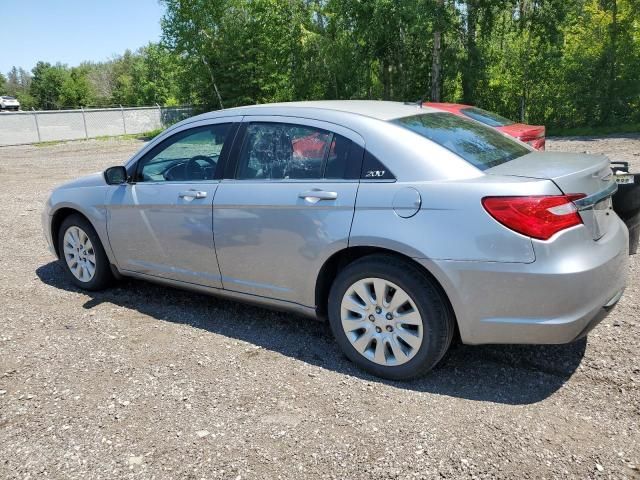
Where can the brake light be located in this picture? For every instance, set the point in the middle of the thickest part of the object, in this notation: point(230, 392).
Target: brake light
point(539, 217)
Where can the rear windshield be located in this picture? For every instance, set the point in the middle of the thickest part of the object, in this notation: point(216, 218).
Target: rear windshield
point(488, 118)
point(481, 146)
point(8, 98)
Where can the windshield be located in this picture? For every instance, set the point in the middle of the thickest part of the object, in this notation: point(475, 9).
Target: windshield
point(481, 146)
point(488, 118)
point(5, 97)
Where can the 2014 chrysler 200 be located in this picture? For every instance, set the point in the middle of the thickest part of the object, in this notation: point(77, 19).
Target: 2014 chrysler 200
point(402, 225)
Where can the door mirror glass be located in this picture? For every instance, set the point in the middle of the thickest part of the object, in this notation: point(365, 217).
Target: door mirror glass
point(115, 175)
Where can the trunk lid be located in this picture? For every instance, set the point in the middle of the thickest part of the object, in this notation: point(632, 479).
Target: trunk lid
point(590, 175)
point(523, 131)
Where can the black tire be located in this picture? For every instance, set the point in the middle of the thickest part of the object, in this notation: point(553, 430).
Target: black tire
point(437, 318)
point(102, 277)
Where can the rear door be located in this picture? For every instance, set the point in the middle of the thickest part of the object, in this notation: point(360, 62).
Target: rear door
point(286, 204)
point(161, 223)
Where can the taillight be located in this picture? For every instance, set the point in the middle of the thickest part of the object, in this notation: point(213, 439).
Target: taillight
point(539, 217)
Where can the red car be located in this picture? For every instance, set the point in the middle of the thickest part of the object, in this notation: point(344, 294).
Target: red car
point(534, 135)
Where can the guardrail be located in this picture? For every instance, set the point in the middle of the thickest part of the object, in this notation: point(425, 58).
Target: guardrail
point(20, 128)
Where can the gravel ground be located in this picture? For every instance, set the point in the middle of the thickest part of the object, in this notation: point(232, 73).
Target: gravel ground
point(149, 382)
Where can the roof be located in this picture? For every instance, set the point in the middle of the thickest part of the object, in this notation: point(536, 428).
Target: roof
point(381, 110)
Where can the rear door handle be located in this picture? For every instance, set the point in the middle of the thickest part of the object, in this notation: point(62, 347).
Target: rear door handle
point(314, 196)
point(193, 194)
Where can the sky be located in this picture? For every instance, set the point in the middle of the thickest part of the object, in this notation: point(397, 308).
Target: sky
point(71, 31)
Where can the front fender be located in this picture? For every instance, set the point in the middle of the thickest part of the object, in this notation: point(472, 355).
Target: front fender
point(89, 202)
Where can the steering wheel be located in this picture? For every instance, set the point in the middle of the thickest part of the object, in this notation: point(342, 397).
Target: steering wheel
point(195, 171)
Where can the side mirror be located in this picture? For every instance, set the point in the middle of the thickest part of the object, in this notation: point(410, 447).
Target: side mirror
point(115, 175)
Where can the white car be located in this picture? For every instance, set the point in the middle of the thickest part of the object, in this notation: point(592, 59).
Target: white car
point(9, 103)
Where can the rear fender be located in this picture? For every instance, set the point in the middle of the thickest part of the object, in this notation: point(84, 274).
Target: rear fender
point(450, 222)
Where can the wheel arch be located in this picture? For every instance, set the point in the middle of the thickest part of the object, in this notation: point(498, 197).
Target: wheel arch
point(59, 216)
point(339, 260)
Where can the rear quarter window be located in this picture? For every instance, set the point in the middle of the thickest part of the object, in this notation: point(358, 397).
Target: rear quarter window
point(479, 145)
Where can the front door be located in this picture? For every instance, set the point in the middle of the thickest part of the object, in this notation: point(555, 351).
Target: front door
point(288, 207)
point(161, 223)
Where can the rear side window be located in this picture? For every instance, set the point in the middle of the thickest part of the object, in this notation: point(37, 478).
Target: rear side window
point(479, 145)
point(279, 151)
point(488, 118)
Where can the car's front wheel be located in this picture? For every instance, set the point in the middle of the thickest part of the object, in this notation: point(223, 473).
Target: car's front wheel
point(82, 254)
point(389, 317)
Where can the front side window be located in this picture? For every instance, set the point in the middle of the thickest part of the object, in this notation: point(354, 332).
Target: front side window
point(479, 145)
point(278, 151)
point(187, 156)
point(488, 118)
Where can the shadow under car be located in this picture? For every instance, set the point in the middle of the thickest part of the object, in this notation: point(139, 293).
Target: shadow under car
point(507, 374)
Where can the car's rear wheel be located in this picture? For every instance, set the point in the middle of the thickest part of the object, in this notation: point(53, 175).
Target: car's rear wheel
point(82, 254)
point(389, 317)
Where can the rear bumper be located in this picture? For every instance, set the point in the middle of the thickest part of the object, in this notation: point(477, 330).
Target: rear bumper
point(600, 315)
point(572, 285)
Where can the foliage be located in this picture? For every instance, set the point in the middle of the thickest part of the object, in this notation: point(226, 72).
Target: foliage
point(46, 84)
point(558, 62)
point(593, 131)
point(562, 63)
point(17, 84)
point(145, 77)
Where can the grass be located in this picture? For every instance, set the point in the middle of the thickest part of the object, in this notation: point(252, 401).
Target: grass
point(132, 136)
point(50, 143)
point(145, 136)
point(592, 131)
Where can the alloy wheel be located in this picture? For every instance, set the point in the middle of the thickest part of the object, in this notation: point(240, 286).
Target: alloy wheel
point(79, 254)
point(381, 321)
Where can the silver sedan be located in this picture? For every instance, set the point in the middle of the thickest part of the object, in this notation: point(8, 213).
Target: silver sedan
point(405, 227)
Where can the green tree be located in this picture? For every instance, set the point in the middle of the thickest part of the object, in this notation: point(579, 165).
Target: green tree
point(601, 64)
point(155, 77)
point(17, 85)
point(46, 84)
point(76, 89)
point(555, 62)
point(245, 51)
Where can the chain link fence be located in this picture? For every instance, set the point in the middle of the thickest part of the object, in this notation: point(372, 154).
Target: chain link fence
point(19, 128)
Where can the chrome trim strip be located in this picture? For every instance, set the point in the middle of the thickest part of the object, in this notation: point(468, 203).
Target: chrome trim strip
point(588, 202)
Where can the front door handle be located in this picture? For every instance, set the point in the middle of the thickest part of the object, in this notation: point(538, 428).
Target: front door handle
point(193, 194)
point(314, 196)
